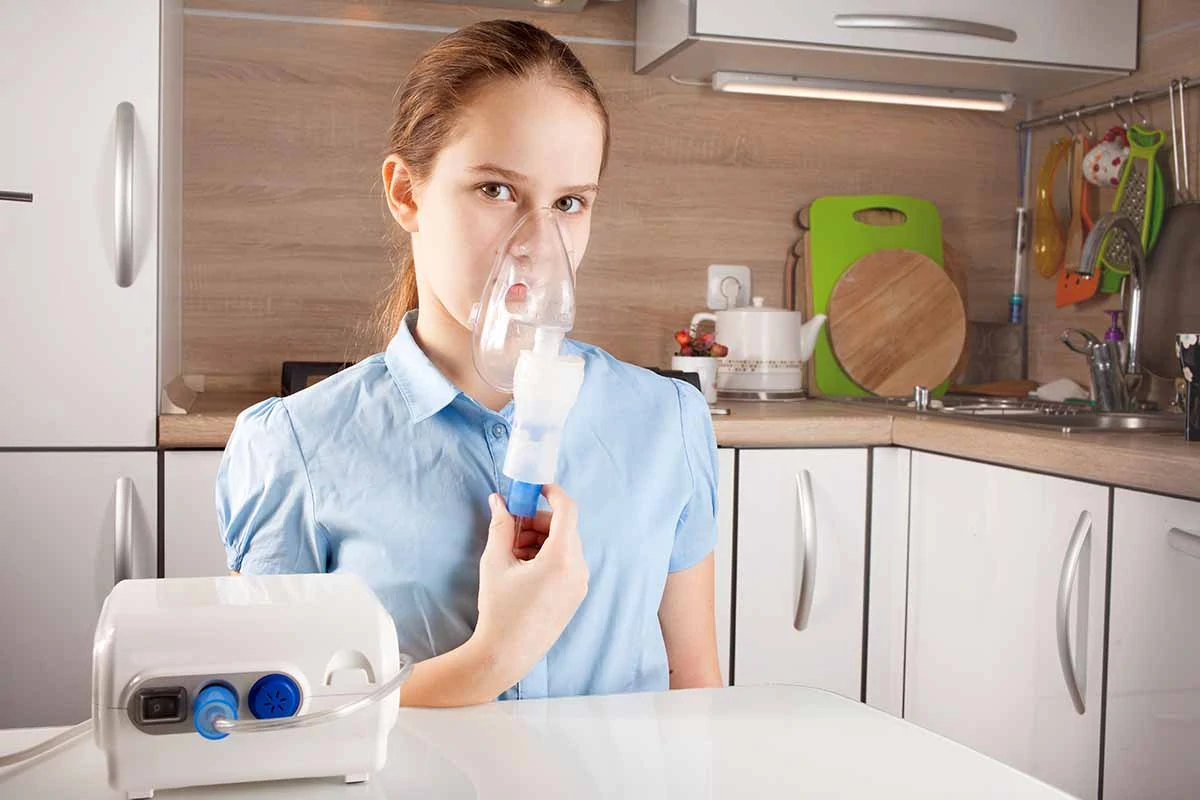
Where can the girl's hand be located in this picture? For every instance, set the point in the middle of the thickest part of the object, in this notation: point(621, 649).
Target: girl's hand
point(530, 584)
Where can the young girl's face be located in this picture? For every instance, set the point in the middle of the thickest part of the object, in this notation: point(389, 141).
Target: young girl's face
point(520, 145)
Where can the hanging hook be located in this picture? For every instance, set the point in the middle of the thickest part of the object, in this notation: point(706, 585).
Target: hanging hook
point(1086, 127)
point(1133, 101)
point(1062, 119)
point(1112, 105)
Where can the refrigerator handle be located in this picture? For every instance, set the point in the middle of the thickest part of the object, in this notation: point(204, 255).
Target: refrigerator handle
point(123, 553)
point(123, 195)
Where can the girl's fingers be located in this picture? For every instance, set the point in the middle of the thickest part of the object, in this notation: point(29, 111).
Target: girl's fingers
point(540, 523)
point(528, 538)
point(563, 537)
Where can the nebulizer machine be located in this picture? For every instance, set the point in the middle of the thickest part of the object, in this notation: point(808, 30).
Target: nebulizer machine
point(203, 681)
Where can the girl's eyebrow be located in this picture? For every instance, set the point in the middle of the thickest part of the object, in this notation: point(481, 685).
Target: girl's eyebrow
point(516, 177)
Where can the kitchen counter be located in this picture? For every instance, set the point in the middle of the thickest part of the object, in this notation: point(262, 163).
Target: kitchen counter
point(777, 741)
point(1148, 461)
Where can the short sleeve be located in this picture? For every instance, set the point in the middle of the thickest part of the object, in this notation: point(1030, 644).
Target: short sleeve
point(264, 499)
point(696, 530)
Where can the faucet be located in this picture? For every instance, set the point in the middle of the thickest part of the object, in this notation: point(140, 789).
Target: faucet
point(1106, 369)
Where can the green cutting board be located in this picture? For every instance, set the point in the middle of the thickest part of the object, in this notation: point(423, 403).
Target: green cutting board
point(837, 240)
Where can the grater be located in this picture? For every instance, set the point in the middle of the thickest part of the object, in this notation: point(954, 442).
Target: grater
point(1134, 200)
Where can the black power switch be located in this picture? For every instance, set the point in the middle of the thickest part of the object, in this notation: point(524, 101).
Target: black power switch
point(162, 704)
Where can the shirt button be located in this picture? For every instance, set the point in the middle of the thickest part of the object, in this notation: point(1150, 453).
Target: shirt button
point(499, 431)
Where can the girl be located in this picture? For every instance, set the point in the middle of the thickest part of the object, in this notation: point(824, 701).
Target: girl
point(389, 469)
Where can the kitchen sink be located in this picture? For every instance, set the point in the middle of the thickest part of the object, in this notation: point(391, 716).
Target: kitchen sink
point(1104, 421)
point(1038, 414)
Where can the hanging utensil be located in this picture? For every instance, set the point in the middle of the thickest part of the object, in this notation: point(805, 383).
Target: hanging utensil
point(1048, 239)
point(1171, 291)
point(1073, 287)
point(1135, 199)
point(1073, 249)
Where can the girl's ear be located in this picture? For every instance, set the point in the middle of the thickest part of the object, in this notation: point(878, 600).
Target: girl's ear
point(399, 183)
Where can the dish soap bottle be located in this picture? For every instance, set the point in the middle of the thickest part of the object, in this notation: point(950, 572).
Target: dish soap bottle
point(1115, 334)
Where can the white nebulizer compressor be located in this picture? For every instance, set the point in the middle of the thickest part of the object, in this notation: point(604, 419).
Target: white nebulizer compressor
point(203, 681)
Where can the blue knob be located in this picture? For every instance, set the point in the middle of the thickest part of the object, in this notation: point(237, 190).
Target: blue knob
point(213, 702)
point(273, 696)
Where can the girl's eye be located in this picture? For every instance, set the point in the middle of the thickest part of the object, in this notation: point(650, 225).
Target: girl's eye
point(496, 191)
point(570, 204)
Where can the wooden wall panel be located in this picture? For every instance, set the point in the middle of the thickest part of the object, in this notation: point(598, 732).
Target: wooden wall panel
point(286, 235)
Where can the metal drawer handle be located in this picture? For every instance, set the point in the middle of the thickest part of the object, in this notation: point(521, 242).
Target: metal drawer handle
point(17, 197)
point(123, 553)
point(123, 195)
point(904, 22)
point(1185, 542)
point(806, 522)
point(1066, 588)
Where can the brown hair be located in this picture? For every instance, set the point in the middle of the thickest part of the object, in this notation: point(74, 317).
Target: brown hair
point(437, 89)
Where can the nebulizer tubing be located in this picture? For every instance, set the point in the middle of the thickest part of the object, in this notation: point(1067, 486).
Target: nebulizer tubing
point(225, 725)
point(53, 743)
point(525, 312)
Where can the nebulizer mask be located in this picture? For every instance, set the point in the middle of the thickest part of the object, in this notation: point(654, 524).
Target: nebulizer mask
point(527, 309)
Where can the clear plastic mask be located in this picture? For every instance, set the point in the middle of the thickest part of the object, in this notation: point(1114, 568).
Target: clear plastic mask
point(528, 302)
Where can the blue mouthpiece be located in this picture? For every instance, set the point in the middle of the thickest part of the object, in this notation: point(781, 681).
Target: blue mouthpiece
point(522, 498)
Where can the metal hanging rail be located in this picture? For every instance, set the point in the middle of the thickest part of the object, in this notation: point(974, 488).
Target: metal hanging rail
point(1104, 108)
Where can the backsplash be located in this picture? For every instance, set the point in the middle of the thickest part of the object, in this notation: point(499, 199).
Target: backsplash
point(1169, 34)
point(286, 234)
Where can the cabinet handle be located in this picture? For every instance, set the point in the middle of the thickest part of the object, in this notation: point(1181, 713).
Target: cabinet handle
point(17, 197)
point(1185, 542)
point(904, 22)
point(1066, 588)
point(123, 195)
point(806, 521)
point(123, 553)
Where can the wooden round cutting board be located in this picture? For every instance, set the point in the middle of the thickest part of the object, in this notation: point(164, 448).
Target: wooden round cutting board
point(896, 321)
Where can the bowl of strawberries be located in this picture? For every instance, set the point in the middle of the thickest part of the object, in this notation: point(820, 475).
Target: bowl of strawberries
point(699, 353)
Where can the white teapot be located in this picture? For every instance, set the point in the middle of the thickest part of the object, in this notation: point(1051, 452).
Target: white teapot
point(768, 349)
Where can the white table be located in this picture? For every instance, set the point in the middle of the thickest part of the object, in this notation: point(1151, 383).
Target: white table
point(780, 741)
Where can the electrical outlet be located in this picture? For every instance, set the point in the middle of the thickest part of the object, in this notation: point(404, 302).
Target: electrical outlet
point(728, 286)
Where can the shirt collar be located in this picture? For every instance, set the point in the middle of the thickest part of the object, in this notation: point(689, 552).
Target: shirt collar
point(424, 388)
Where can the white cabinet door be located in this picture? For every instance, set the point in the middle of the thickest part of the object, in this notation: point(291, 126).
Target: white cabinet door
point(64, 517)
point(723, 595)
point(888, 558)
point(1103, 33)
point(191, 539)
point(991, 550)
point(1152, 732)
point(801, 551)
point(78, 348)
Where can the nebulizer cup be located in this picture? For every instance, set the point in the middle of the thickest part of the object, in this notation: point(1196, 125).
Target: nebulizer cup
point(527, 309)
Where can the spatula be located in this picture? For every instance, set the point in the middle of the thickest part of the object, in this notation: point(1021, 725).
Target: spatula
point(1072, 287)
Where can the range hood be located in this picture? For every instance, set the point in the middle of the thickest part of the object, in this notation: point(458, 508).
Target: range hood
point(1027, 49)
point(564, 6)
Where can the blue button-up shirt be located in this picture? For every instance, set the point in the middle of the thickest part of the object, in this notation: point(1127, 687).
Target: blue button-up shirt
point(384, 470)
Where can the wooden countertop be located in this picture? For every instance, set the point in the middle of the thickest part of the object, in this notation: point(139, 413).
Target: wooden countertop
point(1153, 462)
